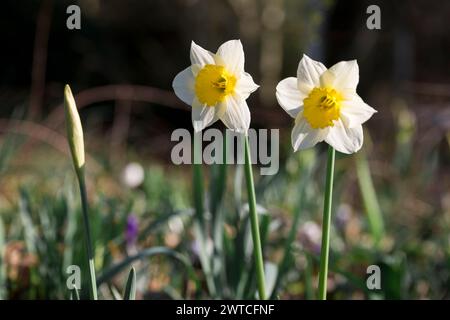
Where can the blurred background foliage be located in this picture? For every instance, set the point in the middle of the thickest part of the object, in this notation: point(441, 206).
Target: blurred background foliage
point(392, 200)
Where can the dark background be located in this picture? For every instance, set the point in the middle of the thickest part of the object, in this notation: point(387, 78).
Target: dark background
point(147, 43)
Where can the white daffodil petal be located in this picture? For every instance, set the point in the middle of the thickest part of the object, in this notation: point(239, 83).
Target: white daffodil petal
point(231, 56)
point(200, 56)
point(202, 115)
point(304, 137)
point(245, 85)
point(344, 139)
point(183, 86)
point(235, 114)
point(289, 96)
point(343, 76)
point(308, 74)
point(355, 111)
point(195, 68)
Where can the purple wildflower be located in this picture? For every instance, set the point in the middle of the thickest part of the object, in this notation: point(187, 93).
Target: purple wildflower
point(132, 230)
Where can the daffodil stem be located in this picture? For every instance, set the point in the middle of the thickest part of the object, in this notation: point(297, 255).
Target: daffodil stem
point(325, 248)
point(259, 263)
point(87, 231)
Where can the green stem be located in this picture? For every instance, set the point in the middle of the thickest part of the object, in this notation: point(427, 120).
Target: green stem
point(259, 264)
point(325, 248)
point(87, 230)
point(309, 291)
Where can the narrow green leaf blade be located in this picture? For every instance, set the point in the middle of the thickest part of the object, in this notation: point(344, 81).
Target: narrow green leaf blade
point(74, 294)
point(130, 287)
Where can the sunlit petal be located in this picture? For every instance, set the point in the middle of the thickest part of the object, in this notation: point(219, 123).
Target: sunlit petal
point(289, 96)
point(231, 56)
point(304, 137)
point(200, 56)
point(183, 86)
point(345, 139)
point(236, 114)
point(308, 74)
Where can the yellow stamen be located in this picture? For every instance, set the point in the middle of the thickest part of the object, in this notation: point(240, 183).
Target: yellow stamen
point(321, 107)
point(213, 83)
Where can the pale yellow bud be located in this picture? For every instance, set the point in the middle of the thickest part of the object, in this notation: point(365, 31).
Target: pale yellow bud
point(74, 131)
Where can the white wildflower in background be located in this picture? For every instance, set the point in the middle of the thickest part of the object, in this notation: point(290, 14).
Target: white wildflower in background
point(325, 105)
point(310, 236)
point(133, 175)
point(216, 86)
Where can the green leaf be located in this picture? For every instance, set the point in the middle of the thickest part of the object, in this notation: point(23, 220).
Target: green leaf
point(30, 232)
point(115, 269)
point(115, 293)
point(3, 277)
point(154, 225)
point(74, 295)
point(130, 287)
point(308, 166)
point(369, 195)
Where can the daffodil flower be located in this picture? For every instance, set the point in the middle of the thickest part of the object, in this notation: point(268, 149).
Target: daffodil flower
point(216, 86)
point(325, 105)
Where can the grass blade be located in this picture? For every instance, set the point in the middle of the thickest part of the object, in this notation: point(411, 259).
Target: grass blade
point(130, 287)
point(74, 295)
point(3, 277)
point(287, 252)
point(115, 269)
point(370, 199)
point(199, 217)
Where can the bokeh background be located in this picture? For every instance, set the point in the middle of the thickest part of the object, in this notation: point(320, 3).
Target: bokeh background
point(392, 200)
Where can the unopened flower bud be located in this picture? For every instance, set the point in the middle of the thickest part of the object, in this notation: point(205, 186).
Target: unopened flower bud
point(74, 131)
